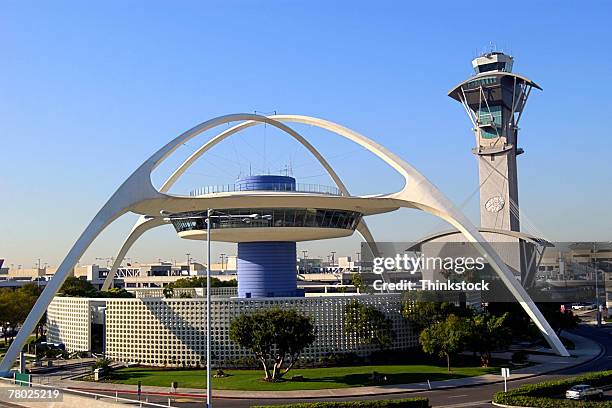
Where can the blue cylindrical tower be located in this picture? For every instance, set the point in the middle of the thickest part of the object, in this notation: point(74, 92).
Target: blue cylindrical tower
point(267, 268)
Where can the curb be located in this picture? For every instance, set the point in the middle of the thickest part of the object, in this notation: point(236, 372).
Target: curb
point(495, 404)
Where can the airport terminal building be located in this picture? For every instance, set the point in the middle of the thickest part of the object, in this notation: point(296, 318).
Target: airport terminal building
point(171, 332)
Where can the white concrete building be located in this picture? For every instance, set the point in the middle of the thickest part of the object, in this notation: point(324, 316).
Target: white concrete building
point(171, 332)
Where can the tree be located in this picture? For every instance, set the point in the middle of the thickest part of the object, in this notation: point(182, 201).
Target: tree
point(518, 321)
point(368, 324)
point(14, 308)
point(446, 338)
point(30, 289)
point(423, 313)
point(275, 336)
point(76, 287)
point(30, 293)
point(521, 325)
point(7, 303)
point(200, 282)
point(358, 281)
point(488, 333)
point(557, 319)
point(115, 293)
point(168, 292)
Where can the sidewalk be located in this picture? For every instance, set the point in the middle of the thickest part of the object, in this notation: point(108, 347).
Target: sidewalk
point(586, 350)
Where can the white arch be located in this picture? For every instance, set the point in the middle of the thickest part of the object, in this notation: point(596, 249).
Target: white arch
point(144, 224)
point(138, 189)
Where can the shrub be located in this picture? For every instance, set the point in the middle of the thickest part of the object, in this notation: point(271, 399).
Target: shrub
point(541, 402)
point(103, 363)
point(519, 357)
point(538, 395)
point(341, 359)
point(568, 343)
point(417, 402)
point(115, 293)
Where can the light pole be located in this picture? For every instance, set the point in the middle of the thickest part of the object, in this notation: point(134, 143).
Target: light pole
point(305, 260)
point(209, 214)
point(597, 312)
point(38, 275)
point(108, 260)
point(222, 264)
point(208, 331)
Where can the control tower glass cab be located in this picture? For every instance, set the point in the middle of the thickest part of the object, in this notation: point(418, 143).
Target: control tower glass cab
point(494, 99)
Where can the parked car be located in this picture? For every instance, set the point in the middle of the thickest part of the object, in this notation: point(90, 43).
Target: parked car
point(583, 306)
point(583, 392)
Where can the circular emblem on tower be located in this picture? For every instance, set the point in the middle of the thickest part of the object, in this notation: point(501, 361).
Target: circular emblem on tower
point(495, 204)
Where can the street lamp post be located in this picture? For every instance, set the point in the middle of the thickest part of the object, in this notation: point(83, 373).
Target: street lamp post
point(209, 215)
point(208, 331)
point(223, 257)
point(38, 275)
point(594, 263)
point(305, 260)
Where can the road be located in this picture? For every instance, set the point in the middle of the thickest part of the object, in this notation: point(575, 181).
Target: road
point(477, 396)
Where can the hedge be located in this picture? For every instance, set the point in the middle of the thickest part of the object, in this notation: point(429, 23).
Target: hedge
point(418, 402)
point(538, 395)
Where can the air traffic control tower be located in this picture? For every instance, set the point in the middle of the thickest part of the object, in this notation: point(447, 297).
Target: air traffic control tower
point(494, 99)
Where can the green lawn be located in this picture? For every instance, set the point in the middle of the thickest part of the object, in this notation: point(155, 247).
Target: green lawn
point(314, 378)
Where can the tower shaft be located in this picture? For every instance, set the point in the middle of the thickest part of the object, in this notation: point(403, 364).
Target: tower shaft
point(498, 179)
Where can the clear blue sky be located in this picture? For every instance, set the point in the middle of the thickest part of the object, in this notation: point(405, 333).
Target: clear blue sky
point(89, 90)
